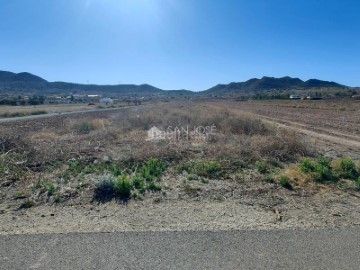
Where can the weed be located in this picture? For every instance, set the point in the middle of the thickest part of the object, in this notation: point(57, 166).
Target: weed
point(320, 169)
point(20, 195)
point(57, 198)
point(138, 183)
point(153, 187)
point(50, 188)
point(285, 182)
point(89, 169)
point(136, 195)
point(26, 204)
point(152, 169)
point(323, 170)
point(269, 178)
point(261, 166)
point(65, 176)
point(75, 166)
point(206, 169)
point(192, 177)
point(204, 180)
point(116, 169)
point(307, 165)
point(346, 168)
point(123, 186)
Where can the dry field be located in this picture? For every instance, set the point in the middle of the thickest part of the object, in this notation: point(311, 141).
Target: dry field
point(15, 111)
point(332, 126)
point(98, 171)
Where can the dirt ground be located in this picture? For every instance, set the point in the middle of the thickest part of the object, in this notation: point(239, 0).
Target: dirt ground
point(232, 206)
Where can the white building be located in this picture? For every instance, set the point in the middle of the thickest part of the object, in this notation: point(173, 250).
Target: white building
point(295, 97)
point(106, 100)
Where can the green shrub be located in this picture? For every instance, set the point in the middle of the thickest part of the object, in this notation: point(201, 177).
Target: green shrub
point(324, 161)
point(138, 183)
point(123, 186)
point(307, 165)
point(285, 182)
point(320, 169)
point(347, 168)
point(323, 170)
point(208, 169)
point(358, 183)
point(261, 166)
point(152, 169)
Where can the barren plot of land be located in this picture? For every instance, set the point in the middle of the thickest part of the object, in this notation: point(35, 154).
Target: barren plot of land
point(333, 124)
point(104, 171)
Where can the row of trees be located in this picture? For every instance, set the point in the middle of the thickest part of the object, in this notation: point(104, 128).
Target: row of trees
point(15, 101)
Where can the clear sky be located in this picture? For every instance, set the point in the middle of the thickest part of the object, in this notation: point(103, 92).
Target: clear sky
point(181, 44)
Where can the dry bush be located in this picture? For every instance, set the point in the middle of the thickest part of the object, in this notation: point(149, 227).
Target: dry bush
point(285, 146)
point(100, 123)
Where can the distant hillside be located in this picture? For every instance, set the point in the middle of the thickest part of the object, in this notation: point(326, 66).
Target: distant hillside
point(26, 83)
point(8, 77)
point(270, 83)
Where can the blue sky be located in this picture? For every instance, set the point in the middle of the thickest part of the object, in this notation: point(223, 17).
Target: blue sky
point(181, 44)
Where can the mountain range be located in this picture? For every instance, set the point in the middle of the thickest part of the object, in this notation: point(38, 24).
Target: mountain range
point(31, 84)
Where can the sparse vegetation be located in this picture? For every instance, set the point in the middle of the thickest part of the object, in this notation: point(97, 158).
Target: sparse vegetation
point(72, 152)
point(22, 114)
point(346, 168)
point(104, 189)
point(208, 169)
point(190, 190)
point(26, 204)
point(285, 182)
point(270, 178)
point(123, 186)
point(85, 128)
point(261, 166)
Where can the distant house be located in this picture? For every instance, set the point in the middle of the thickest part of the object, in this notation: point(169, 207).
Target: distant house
point(295, 97)
point(356, 97)
point(106, 100)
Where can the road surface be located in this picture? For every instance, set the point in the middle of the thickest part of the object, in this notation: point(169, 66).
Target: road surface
point(248, 249)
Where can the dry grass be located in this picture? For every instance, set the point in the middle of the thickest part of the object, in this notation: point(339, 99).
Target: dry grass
point(69, 150)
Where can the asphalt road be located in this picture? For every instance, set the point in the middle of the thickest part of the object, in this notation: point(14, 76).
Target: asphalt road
point(251, 249)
